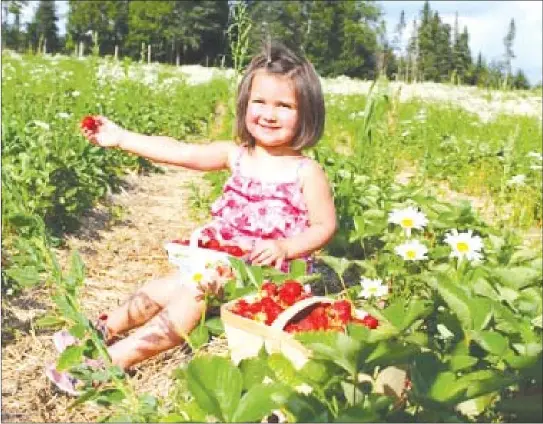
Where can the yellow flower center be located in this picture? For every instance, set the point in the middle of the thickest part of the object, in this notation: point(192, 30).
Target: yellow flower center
point(411, 254)
point(462, 246)
point(198, 277)
point(372, 290)
point(407, 223)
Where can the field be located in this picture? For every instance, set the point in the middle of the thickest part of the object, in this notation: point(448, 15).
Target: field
point(464, 318)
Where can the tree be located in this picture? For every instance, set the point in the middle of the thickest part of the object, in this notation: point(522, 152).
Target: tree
point(520, 81)
point(397, 44)
point(107, 21)
point(45, 20)
point(508, 43)
point(413, 54)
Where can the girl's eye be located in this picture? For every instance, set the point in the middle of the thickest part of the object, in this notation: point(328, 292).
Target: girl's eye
point(285, 105)
point(256, 101)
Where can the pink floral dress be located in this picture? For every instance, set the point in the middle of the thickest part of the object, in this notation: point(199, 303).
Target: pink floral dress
point(250, 209)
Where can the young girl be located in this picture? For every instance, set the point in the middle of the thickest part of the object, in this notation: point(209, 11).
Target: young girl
point(276, 200)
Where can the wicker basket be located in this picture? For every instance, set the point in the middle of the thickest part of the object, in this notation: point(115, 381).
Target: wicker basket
point(246, 337)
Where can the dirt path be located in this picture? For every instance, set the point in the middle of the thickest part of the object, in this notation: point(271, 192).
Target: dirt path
point(118, 258)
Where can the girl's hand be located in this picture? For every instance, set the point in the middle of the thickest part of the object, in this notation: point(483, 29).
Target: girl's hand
point(268, 252)
point(104, 133)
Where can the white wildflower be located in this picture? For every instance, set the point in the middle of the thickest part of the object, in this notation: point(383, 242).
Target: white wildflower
point(42, 125)
point(307, 288)
point(75, 93)
point(535, 155)
point(372, 288)
point(405, 133)
point(464, 245)
point(536, 167)
point(267, 380)
point(63, 115)
point(517, 180)
point(408, 219)
point(412, 250)
point(304, 389)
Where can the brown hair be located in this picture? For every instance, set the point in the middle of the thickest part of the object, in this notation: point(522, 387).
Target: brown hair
point(277, 59)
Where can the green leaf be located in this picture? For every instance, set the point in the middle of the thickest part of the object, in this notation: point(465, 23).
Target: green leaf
point(199, 336)
point(457, 300)
point(216, 385)
point(298, 268)
point(460, 362)
point(491, 341)
point(260, 401)
point(517, 277)
point(481, 312)
point(84, 397)
point(70, 357)
point(47, 321)
point(308, 409)
point(108, 397)
point(215, 326)
point(26, 276)
point(337, 347)
point(254, 371)
point(284, 370)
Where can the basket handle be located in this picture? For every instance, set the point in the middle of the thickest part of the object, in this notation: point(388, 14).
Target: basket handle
point(195, 236)
point(289, 313)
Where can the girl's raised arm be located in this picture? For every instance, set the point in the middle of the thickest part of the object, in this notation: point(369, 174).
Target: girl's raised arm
point(201, 157)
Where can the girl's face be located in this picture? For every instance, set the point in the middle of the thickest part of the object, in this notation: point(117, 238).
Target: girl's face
point(272, 112)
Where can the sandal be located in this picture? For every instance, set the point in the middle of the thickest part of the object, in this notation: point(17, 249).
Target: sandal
point(64, 381)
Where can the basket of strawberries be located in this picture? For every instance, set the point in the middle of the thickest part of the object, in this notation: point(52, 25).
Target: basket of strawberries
point(203, 248)
point(270, 317)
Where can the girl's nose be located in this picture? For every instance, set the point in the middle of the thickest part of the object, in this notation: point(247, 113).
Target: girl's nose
point(268, 113)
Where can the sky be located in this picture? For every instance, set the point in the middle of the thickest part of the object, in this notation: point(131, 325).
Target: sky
point(487, 23)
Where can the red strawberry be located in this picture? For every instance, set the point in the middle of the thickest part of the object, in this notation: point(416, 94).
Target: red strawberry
point(268, 289)
point(370, 322)
point(342, 309)
point(90, 123)
point(235, 251)
point(213, 244)
point(292, 328)
point(290, 291)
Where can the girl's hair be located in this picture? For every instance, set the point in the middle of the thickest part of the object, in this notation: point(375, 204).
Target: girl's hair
point(277, 59)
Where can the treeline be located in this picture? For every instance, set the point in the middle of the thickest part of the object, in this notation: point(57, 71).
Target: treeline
point(339, 37)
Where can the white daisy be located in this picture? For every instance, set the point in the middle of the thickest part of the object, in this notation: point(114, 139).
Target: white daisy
point(408, 219)
point(412, 250)
point(63, 115)
point(372, 288)
point(464, 245)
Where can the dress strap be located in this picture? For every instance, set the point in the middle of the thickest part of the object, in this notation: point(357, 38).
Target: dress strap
point(303, 163)
point(237, 160)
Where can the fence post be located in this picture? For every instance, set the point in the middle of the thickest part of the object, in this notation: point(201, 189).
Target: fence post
point(116, 52)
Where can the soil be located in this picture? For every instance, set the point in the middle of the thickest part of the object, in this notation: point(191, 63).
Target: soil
point(121, 244)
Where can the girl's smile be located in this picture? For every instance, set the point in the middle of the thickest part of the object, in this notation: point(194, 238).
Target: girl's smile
point(272, 113)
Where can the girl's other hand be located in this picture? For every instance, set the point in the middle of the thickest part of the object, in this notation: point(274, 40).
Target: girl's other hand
point(102, 131)
point(268, 252)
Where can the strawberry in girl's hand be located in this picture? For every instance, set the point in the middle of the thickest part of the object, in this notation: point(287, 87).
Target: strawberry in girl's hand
point(213, 244)
point(90, 123)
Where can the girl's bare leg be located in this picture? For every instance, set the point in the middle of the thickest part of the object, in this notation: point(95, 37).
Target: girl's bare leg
point(144, 304)
point(162, 332)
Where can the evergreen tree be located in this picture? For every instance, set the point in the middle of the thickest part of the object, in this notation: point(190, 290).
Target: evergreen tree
point(45, 20)
point(508, 43)
point(520, 81)
point(397, 45)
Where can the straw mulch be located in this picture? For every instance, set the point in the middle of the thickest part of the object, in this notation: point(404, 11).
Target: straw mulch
point(120, 254)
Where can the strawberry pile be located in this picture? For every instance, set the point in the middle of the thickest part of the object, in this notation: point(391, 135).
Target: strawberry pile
point(275, 299)
point(214, 244)
point(90, 123)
